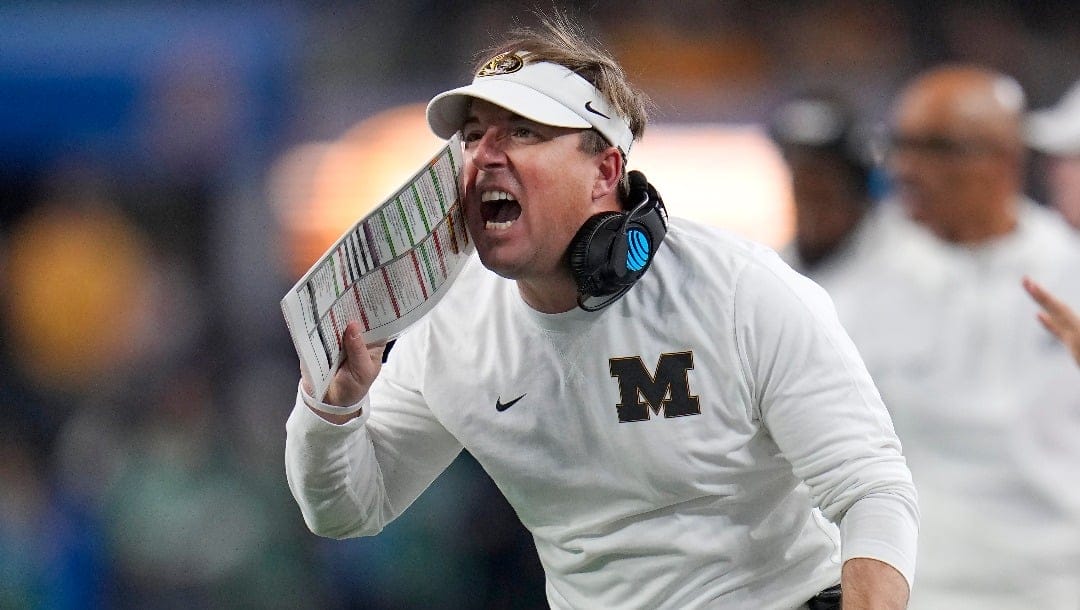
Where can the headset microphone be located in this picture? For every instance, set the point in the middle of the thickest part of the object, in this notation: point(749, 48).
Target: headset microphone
point(612, 250)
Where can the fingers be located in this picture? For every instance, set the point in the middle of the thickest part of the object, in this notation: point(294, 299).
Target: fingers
point(1047, 301)
point(358, 369)
point(1050, 324)
point(1056, 317)
point(1051, 306)
point(1056, 312)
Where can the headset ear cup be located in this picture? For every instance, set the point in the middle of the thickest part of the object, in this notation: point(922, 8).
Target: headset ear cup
point(612, 250)
point(590, 252)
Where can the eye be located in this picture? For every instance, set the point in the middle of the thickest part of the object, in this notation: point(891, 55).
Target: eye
point(471, 135)
point(525, 132)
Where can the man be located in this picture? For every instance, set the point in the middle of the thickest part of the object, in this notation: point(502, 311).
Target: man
point(1055, 132)
point(984, 399)
point(830, 169)
point(665, 440)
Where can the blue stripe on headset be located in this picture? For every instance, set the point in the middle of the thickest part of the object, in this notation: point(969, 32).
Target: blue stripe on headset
point(638, 250)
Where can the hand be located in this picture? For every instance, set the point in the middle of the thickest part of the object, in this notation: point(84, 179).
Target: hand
point(1056, 317)
point(354, 377)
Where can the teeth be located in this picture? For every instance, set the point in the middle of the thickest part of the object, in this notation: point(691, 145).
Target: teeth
point(492, 225)
point(496, 195)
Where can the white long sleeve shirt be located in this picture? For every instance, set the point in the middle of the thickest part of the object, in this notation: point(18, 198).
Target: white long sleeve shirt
point(986, 402)
point(665, 452)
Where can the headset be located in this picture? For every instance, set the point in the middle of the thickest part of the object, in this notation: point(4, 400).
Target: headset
point(612, 250)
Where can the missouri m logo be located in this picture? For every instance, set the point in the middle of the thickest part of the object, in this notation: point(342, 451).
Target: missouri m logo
point(667, 391)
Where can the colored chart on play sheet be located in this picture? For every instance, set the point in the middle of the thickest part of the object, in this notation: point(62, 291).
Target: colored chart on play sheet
point(386, 271)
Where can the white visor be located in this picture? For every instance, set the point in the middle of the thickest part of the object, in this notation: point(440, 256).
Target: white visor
point(1056, 131)
point(544, 92)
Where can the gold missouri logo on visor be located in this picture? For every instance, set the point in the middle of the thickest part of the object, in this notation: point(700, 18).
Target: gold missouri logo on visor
point(504, 63)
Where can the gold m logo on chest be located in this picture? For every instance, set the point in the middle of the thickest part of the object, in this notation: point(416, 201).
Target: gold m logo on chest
point(668, 390)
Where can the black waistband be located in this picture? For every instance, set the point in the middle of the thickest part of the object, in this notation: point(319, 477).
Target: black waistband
point(828, 599)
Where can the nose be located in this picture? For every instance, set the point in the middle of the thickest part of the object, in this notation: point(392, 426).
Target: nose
point(488, 152)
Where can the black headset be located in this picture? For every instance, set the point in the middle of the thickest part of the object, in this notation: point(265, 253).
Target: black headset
point(612, 250)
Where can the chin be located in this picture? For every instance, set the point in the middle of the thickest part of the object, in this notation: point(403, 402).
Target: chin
point(498, 265)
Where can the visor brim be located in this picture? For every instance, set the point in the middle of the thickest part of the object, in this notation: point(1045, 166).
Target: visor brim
point(447, 112)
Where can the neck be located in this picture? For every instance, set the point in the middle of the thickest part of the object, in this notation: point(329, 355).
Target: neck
point(988, 228)
point(549, 295)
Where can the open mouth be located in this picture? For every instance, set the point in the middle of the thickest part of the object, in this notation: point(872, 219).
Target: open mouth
point(499, 210)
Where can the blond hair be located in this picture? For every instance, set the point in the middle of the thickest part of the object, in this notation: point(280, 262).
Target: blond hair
point(559, 40)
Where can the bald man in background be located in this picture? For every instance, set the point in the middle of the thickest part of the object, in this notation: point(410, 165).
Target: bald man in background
point(985, 401)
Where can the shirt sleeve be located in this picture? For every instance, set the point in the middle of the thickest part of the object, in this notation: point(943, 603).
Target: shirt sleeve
point(817, 400)
point(352, 479)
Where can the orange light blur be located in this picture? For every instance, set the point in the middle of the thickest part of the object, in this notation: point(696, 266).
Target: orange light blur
point(77, 294)
point(322, 189)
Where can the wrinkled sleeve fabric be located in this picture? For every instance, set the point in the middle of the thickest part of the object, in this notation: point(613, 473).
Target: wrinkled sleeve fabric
point(352, 479)
point(814, 395)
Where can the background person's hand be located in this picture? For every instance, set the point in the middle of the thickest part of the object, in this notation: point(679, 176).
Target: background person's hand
point(354, 377)
point(1057, 317)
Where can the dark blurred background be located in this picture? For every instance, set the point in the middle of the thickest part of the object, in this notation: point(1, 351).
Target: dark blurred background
point(167, 173)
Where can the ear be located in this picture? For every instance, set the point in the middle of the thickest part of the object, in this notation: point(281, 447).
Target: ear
point(609, 170)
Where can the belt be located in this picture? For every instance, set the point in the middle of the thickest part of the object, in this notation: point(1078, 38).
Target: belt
point(827, 599)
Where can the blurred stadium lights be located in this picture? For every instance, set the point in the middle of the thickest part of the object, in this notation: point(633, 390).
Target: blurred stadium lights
point(319, 190)
point(79, 298)
point(729, 176)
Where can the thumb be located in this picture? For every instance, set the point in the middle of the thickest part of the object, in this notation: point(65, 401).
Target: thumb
point(363, 362)
point(357, 371)
point(359, 362)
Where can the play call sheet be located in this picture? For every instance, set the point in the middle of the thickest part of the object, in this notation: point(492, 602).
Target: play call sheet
point(386, 271)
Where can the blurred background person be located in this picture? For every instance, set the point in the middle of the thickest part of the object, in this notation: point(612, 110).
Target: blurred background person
point(1055, 133)
point(981, 395)
point(828, 154)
